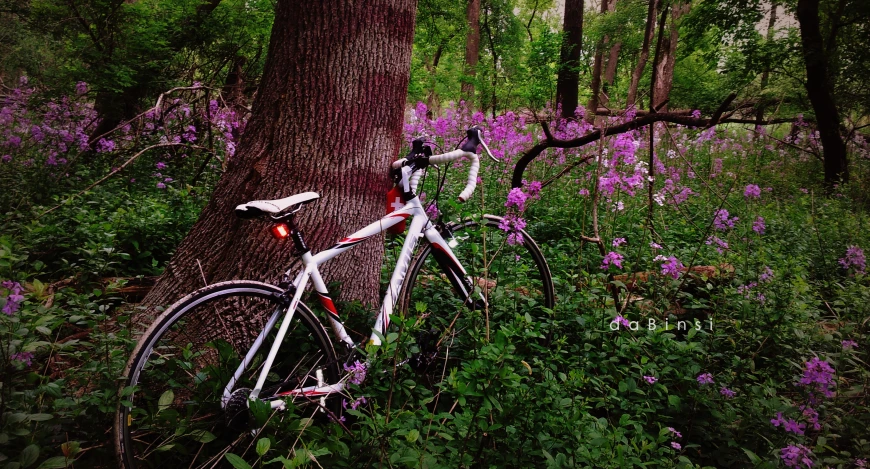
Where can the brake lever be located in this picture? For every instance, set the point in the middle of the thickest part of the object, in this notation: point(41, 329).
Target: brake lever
point(480, 139)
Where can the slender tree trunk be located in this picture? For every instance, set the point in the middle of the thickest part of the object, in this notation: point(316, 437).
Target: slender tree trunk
point(472, 49)
point(644, 53)
point(668, 59)
point(234, 85)
point(818, 89)
point(432, 97)
point(610, 72)
point(765, 75)
point(327, 118)
point(596, 72)
point(568, 79)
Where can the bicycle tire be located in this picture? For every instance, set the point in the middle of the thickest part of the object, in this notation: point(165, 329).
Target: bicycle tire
point(516, 279)
point(192, 350)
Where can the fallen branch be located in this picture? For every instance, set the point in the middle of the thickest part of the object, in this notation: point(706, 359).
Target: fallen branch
point(634, 124)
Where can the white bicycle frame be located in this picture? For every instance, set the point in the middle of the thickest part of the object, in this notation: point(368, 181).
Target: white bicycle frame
point(420, 226)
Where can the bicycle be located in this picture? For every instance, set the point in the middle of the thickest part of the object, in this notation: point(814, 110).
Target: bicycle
point(203, 368)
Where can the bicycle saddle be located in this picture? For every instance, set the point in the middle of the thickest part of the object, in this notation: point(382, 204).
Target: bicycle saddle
point(259, 207)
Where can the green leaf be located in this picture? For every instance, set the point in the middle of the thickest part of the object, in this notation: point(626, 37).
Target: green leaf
point(752, 456)
point(165, 400)
point(40, 417)
point(263, 446)
point(202, 436)
point(412, 435)
point(29, 455)
point(237, 462)
point(56, 462)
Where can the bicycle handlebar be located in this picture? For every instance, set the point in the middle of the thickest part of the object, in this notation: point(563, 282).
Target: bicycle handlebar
point(469, 149)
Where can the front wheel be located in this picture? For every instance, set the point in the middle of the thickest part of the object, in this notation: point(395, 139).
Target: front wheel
point(182, 406)
point(506, 278)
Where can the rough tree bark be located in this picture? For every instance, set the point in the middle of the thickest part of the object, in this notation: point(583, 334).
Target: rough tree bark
point(668, 58)
point(818, 90)
point(644, 53)
point(472, 49)
point(327, 118)
point(596, 71)
point(568, 79)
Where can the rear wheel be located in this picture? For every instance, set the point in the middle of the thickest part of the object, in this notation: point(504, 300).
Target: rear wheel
point(177, 409)
point(512, 278)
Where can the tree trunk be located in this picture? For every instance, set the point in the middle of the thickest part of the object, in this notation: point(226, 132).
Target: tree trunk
point(568, 80)
point(327, 118)
point(432, 102)
point(644, 54)
point(234, 84)
point(610, 72)
point(472, 49)
point(668, 59)
point(765, 75)
point(818, 90)
point(596, 72)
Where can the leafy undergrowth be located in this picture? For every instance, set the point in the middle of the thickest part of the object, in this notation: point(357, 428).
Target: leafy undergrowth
point(761, 362)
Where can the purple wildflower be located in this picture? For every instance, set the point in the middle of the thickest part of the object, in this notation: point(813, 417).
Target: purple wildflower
point(696, 113)
point(432, 210)
point(848, 344)
point(675, 445)
point(160, 185)
point(357, 372)
point(758, 225)
point(161, 165)
point(534, 188)
point(675, 432)
point(722, 221)
point(618, 242)
point(729, 394)
point(862, 463)
point(705, 378)
point(818, 374)
point(672, 267)
point(14, 298)
point(766, 275)
point(793, 456)
point(355, 404)
point(720, 244)
point(105, 146)
point(794, 427)
point(752, 192)
point(621, 321)
point(854, 258)
point(655, 245)
point(778, 420)
point(612, 258)
point(516, 198)
point(812, 417)
point(24, 357)
point(650, 379)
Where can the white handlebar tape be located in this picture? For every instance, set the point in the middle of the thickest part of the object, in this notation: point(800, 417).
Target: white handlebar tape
point(472, 178)
point(415, 179)
point(472, 172)
point(398, 163)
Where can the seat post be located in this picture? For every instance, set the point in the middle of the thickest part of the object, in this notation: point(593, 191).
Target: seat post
point(298, 240)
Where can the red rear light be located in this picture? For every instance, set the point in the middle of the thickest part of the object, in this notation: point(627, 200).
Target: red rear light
point(280, 231)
